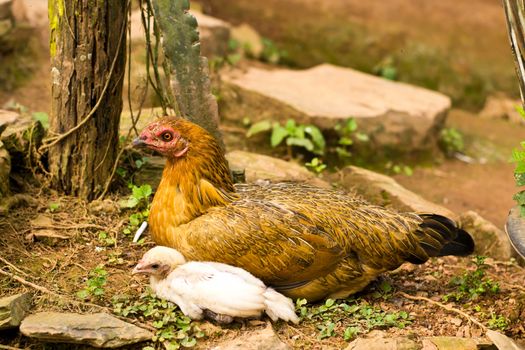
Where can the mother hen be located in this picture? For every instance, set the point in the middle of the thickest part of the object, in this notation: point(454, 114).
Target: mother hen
point(302, 240)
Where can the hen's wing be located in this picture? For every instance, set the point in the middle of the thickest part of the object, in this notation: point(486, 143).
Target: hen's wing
point(265, 238)
point(218, 290)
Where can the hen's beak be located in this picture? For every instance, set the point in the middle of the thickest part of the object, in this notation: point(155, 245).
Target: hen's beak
point(138, 142)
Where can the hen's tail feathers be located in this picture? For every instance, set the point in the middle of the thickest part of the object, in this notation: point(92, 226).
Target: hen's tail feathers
point(279, 307)
point(441, 237)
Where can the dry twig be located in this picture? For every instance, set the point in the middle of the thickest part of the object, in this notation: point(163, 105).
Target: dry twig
point(448, 308)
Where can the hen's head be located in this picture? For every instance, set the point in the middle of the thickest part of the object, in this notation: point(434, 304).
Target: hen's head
point(159, 262)
point(174, 137)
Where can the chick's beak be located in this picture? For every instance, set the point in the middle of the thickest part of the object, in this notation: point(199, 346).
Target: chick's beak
point(138, 268)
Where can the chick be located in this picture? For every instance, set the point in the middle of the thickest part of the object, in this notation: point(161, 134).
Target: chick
point(209, 289)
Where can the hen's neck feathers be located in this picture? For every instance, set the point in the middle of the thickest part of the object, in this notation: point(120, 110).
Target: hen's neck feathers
point(193, 183)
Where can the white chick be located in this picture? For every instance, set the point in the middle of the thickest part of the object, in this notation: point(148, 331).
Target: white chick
point(211, 289)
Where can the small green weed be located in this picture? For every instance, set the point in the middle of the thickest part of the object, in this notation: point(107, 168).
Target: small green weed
point(348, 318)
point(348, 134)
point(386, 68)
point(451, 141)
point(308, 137)
point(518, 157)
point(139, 200)
point(498, 322)
point(42, 117)
point(472, 284)
point(94, 284)
point(316, 165)
point(53, 207)
point(399, 168)
point(271, 53)
point(105, 240)
point(174, 330)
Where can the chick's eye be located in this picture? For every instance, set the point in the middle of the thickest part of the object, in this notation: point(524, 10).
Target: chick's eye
point(167, 136)
point(155, 266)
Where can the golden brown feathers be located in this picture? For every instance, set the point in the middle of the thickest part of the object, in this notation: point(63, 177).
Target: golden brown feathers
point(303, 240)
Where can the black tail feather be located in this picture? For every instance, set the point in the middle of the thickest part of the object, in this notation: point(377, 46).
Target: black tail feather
point(462, 245)
point(439, 228)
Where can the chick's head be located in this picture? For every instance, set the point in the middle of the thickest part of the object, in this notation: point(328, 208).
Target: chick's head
point(159, 262)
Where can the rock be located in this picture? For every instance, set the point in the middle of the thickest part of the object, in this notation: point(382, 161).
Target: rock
point(13, 309)
point(99, 330)
point(7, 118)
point(381, 341)
point(394, 115)
point(5, 9)
point(264, 339)
point(453, 343)
point(5, 27)
point(490, 240)
point(383, 190)
point(214, 33)
point(5, 170)
point(34, 14)
point(501, 107)
point(261, 167)
point(17, 138)
point(515, 229)
point(249, 40)
point(502, 342)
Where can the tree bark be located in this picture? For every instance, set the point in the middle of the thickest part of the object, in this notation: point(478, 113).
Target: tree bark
point(88, 46)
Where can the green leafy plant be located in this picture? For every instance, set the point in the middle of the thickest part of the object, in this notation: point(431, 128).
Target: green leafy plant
point(271, 53)
point(348, 134)
point(105, 240)
point(471, 285)
point(518, 157)
point(348, 318)
point(498, 322)
point(95, 283)
point(308, 137)
point(399, 168)
point(43, 118)
point(386, 69)
point(451, 141)
point(174, 330)
point(316, 165)
point(53, 206)
point(139, 200)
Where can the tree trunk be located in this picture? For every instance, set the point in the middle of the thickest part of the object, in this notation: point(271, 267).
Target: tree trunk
point(88, 45)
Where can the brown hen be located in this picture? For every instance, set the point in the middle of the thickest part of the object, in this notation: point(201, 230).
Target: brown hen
point(302, 240)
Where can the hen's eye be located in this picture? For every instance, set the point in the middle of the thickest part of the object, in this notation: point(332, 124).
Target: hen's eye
point(167, 136)
point(155, 266)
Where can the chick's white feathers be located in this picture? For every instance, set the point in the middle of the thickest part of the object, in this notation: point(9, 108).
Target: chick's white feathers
point(223, 289)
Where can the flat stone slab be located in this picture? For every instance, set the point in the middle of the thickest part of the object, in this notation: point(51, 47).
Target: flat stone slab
point(100, 330)
point(264, 339)
point(392, 113)
point(13, 309)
